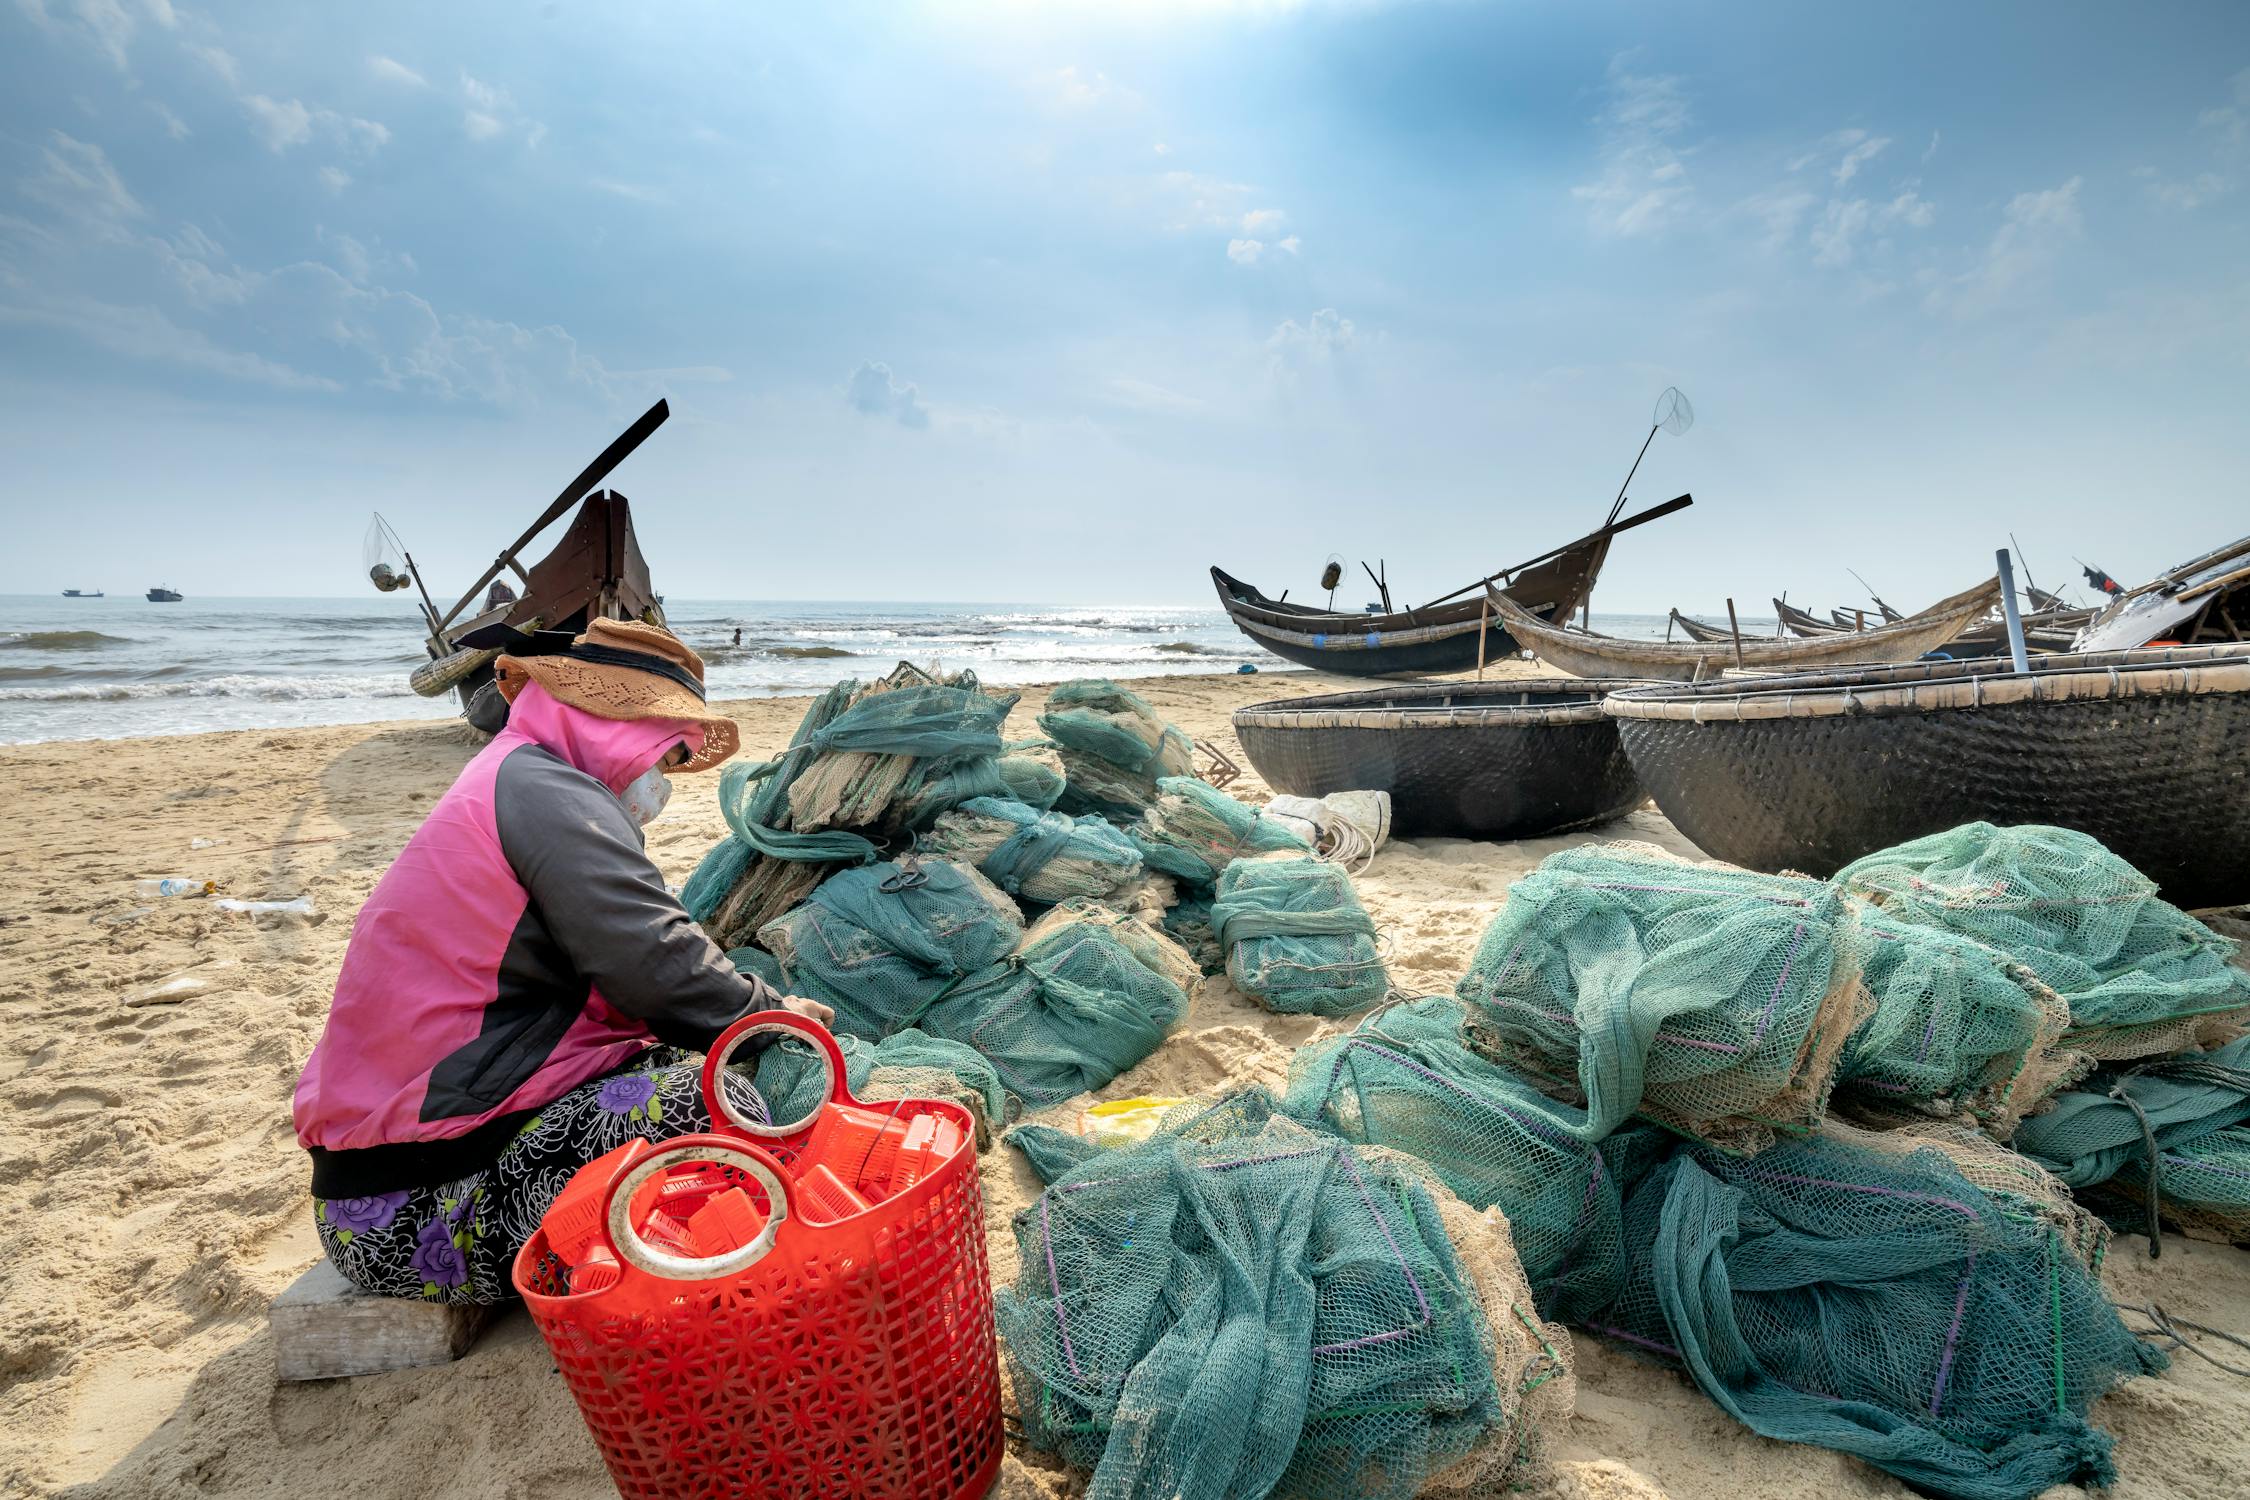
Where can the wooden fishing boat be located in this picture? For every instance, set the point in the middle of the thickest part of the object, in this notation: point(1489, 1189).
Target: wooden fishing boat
point(2205, 601)
point(595, 571)
point(1493, 760)
point(2145, 750)
point(1585, 654)
point(1446, 635)
point(1803, 623)
point(1696, 630)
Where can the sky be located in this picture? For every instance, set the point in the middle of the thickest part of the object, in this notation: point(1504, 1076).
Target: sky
point(1066, 302)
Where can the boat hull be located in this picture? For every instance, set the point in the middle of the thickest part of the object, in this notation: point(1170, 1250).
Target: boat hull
point(1496, 760)
point(2148, 751)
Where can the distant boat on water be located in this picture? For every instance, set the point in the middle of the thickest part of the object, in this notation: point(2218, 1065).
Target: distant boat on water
point(82, 594)
point(163, 596)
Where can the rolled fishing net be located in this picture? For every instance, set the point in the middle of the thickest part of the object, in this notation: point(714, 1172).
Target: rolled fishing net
point(2019, 1187)
point(1875, 1303)
point(1114, 747)
point(1405, 1079)
point(1193, 830)
point(2140, 976)
point(1140, 932)
point(883, 943)
point(1296, 937)
point(793, 1080)
point(1033, 770)
point(1711, 1000)
point(2168, 1139)
point(1959, 1028)
point(833, 798)
point(1241, 1307)
point(1039, 856)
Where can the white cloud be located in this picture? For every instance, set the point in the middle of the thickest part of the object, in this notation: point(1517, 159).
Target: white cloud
point(632, 191)
point(391, 70)
point(1146, 395)
point(1069, 89)
point(281, 122)
point(335, 179)
point(1261, 220)
point(218, 60)
point(1911, 209)
point(1832, 237)
point(1198, 201)
point(489, 113)
point(1245, 252)
point(1643, 186)
point(480, 126)
point(105, 25)
point(1289, 245)
point(2189, 193)
point(1162, 149)
point(873, 391)
point(2033, 231)
point(174, 126)
point(1931, 149)
point(1295, 348)
point(75, 178)
point(1859, 156)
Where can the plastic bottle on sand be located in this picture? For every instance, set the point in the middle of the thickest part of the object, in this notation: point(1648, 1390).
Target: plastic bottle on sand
point(173, 885)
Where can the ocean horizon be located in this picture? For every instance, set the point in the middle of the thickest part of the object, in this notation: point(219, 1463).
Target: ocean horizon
point(121, 667)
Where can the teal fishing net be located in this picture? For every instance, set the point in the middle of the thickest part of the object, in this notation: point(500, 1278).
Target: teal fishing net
point(1039, 856)
point(883, 943)
point(1873, 1303)
point(1405, 1079)
point(1114, 747)
point(1193, 831)
point(1243, 1307)
point(2140, 976)
point(2179, 1126)
point(1711, 1000)
point(1959, 1028)
point(1189, 922)
point(1296, 937)
point(793, 1079)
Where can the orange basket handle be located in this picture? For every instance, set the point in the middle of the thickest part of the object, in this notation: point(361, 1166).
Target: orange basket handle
point(766, 1023)
point(618, 1204)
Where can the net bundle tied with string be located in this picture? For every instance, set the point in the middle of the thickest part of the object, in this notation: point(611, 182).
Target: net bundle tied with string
point(834, 798)
point(1874, 1302)
point(1241, 1306)
point(1297, 938)
point(793, 1081)
point(1038, 856)
point(1405, 1079)
point(2140, 976)
point(2163, 1141)
point(1114, 747)
point(1193, 831)
point(1711, 1000)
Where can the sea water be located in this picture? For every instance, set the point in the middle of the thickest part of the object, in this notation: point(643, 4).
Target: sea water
point(121, 666)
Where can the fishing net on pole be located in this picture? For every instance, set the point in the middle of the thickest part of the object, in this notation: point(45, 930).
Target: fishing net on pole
point(1711, 1000)
point(2140, 976)
point(1193, 831)
point(830, 800)
point(1039, 856)
point(1114, 747)
point(2167, 1140)
point(1405, 1079)
point(1876, 1303)
point(1959, 1028)
point(1297, 938)
point(883, 943)
point(793, 1080)
point(1241, 1306)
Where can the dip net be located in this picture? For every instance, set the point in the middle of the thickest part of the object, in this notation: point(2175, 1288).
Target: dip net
point(1114, 747)
point(2166, 1141)
point(1406, 1080)
point(1193, 831)
point(1044, 857)
point(1297, 938)
point(1244, 1306)
point(1873, 1302)
point(1710, 1000)
point(2140, 976)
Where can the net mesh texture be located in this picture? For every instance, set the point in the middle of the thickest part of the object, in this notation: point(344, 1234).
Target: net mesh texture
point(1296, 937)
point(1193, 831)
point(1114, 747)
point(1043, 857)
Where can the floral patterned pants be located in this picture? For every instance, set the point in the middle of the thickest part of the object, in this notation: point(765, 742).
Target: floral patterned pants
point(456, 1242)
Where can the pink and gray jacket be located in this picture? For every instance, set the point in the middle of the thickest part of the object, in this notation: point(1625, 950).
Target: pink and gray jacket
point(521, 944)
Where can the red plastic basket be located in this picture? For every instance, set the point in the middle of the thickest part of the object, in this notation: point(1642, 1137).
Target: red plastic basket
point(852, 1358)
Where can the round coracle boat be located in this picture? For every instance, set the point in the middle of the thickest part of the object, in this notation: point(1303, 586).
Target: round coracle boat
point(2148, 751)
point(1512, 759)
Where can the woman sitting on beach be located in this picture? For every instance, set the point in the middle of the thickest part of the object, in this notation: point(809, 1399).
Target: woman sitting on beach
point(521, 993)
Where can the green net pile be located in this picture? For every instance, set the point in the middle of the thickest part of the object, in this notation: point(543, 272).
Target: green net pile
point(1028, 772)
point(1188, 920)
point(2140, 976)
point(1043, 857)
point(2196, 1138)
point(1242, 1306)
point(1958, 1028)
point(883, 943)
point(835, 796)
point(1405, 1079)
point(793, 1080)
point(1114, 747)
point(1875, 1303)
point(2018, 1187)
point(1296, 937)
point(1193, 831)
point(1710, 1000)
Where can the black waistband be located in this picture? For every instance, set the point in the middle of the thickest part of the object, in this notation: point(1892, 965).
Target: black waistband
point(364, 1171)
point(639, 661)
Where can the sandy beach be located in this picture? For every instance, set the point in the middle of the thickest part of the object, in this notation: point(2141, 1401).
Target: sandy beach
point(155, 1199)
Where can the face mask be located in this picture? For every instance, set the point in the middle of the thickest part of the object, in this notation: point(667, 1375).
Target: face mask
point(645, 795)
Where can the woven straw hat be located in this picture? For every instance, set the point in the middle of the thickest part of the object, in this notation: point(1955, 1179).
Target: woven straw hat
point(623, 669)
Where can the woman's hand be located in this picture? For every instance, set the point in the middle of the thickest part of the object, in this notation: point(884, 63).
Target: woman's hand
point(811, 1009)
